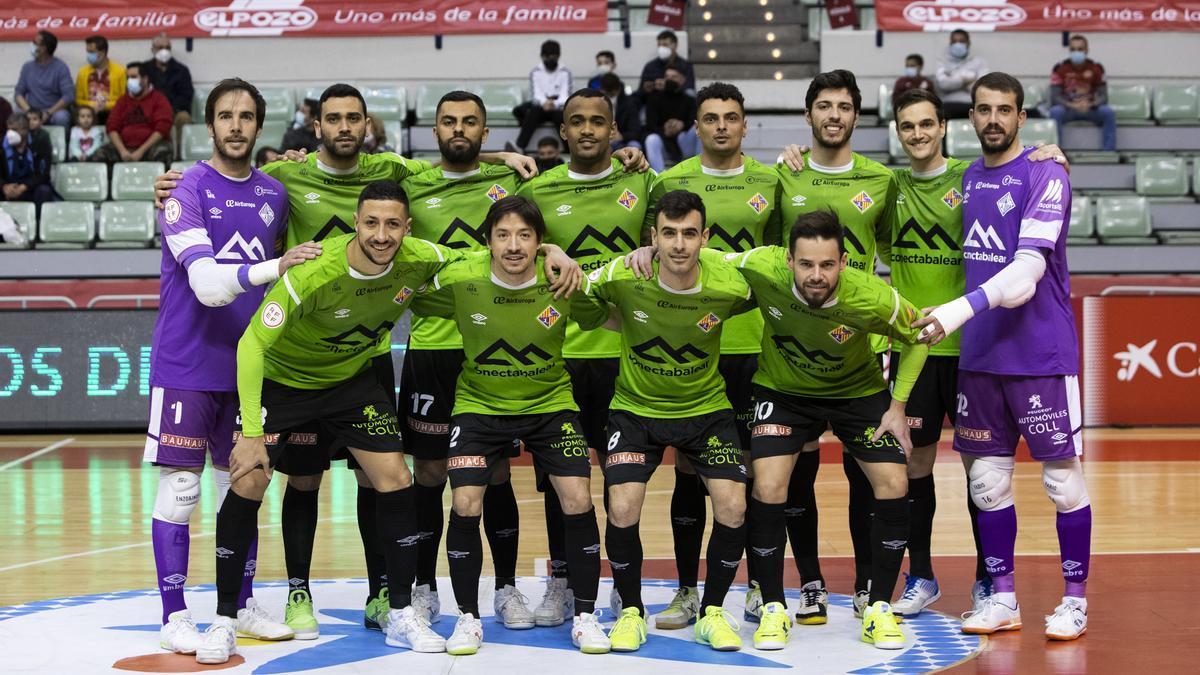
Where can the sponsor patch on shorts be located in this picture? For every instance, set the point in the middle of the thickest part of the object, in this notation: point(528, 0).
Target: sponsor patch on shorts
point(186, 442)
point(466, 462)
point(427, 427)
point(269, 439)
point(973, 434)
point(304, 438)
point(916, 422)
point(625, 458)
point(771, 430)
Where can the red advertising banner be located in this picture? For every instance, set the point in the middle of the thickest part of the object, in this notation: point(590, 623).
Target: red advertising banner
point(842, 13)
point(667, 13)
point(116, 19)
point(1032, 15)
point(1141, 360)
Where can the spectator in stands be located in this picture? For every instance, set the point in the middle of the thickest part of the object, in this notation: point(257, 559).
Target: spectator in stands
point(102, 81)
point(174, 80)
point(626, 113)
point(550, 86)
point(1078, 91)
point(606, 62)
point(549, 153)
point(139, 126)
point(265, 155)
point(6, 108)
point(654, 72)
point(37, 119)
point(45, 82)
point(25, 166)
point(913, 79)
point(376, 140)
point(670, 121)
point(302, 135)
point(956, 73)
point(86, 136)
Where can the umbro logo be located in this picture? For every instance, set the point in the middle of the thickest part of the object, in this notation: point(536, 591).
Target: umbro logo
point(794, 511)
point(798, 200)
point(174, 579)
point(564, 210)
point(433, 202)
point(1067, 566)
point(641, 316)
point(312, 198)
point(774, 312)
point(895, 544)
point(410, 540)
point(594, 549)
point(683, 520)
point(1059, 437)
point(506, 532)
point(215, 211)
point(992, 562)
point(223, 552)
point(479, 319)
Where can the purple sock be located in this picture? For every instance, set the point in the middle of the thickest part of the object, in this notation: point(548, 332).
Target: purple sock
point(170, 542)
point(998, 530)
point(1075, 545)
point(247, 591)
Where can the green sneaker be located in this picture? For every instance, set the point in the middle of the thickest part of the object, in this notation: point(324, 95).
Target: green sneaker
point(376, 612)
point(718, 630)
point(299, 615)
point(629, 633)
point(773, 627)
point(683, 610)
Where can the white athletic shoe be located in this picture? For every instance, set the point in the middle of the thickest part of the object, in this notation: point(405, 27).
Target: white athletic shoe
point(1068, 621)
point(1000, 612)
point(588, 635)
point(614, 603)
point(754, 604)
point(467, 636)
point(814, 604)
point(409, 630)
point(426, 603)
point(683, 609)
point(862, 600)
point(980, 592)
point(511, 608)
point(918, 594)
point(255, 622)
point(179, 634)
point(220, 641)
point(556, 604)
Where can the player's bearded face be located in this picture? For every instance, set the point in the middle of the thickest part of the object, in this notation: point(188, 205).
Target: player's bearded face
point(919, 131)
point(832, 118)
point(380, 226)
point(234, 128)
point(679, 242)
point(342, 126)
point(514, 245)
point(721, 126)
point(997, 119)
point(587, 128)
point(460, 131)
point(816, 266)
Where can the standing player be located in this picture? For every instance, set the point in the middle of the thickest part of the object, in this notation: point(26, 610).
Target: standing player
point(514, 388)
point(1019, 359)
point(669, 393)
point(218, 229)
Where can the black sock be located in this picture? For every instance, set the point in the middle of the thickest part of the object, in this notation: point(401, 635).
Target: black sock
point(555, 537)
point(397, 519)
point(464, 548)
point(368, 531)
point(725, 548)
point(889, 536)
point(922, 505)
point(801, 514)
point(862, 501)
point(583, 558)
point(299, 521)
point(981, 572)
point(502, 522)
point(237, 523)
point(764, 540)
point(751, 562)
point(624, 548)
point(688, 518)
point(431, 520)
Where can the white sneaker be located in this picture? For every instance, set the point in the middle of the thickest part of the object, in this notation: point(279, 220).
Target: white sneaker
point(1068, 621)
point(179, 634)
point(614, 603)
point(409, 630)
point(512, 610)
point(862, 600)
point(683, 609)
point(980, 592)
point(918, 594)
point(426, 602)
point(220, 641)
point(588, 635)
point(814, 604)
point(467, 636)
point(556, 604)
point(255, 622)
point(754, 603)
point(1000, 612)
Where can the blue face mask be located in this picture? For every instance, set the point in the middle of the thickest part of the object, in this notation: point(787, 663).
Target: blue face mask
point(958, 50)
point(1078, 57)
point(134, 86)
point(910, 72)
point(93, 57)
point(33, 50)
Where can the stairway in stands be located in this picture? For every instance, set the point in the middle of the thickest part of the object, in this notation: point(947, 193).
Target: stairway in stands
point(750, 40)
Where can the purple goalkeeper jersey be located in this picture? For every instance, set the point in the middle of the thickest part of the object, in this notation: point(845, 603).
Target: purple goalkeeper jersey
point(1020, 204)
point(236, 222)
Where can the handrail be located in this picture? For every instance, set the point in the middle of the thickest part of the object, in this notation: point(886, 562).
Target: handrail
point(26, 299)
point(138, 298)
point(1152, 290)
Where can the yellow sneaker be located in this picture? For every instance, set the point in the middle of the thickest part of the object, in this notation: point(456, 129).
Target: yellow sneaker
point(879, 627)
point(773, 627)
point(629, 633)
point(718, 630)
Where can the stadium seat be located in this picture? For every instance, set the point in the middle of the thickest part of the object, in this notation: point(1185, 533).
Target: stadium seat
point(885, 103)
point(199, 98)
point(1083, 221)
point(58, 143)
point(499, 99)
point(1161, 176)
point(384, 102)
point(82, 181)
point(135, 180)
point(182, 166)
point(961, 141)
point(280, 105)
point(313, 92)
point(1035, 95)
point(126, 224)
point(25, 215)
point(1123, 219)
point(1043, 130)
point(271, 135)
point(395, 136)
point(1177, 104)
point(195, 142)
point(427, 98)
point(1131, 102)
point(895, 149)
point(67, 225)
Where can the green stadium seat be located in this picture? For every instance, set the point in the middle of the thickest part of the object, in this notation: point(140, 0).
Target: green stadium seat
point(67, 225)
point(135, 180)
point(885, 103)
point(1082, 226)
point(310, 92)
point(1043, 130)
point(1131, 103)
point(1035, 95)
point(1161, 176)
point(427, 98)
point(895, 148)
point(271, 135)
point(195, 143)
point(499, 99)
point(384, 102)
point(82, 181)
point(961, 141)
point(182, 166)
point(25, 216)
point(58, 143)
point(1123, 219)
point(199, 98)
point(126, 224)
point(395, 135)
point(281, 107)
point(1177, 104)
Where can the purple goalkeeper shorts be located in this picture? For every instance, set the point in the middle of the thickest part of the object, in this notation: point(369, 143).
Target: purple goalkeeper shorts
point(995, 411)
point(185, 426)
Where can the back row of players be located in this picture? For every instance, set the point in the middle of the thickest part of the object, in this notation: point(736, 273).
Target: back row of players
point(499, 357)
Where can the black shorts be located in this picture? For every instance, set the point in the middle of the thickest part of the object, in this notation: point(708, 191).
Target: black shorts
point(933, 398)
point(636, 445)
point(784, 422)
point(427, 385)
point(593, 382)
point(478, 441)
point(738, 371)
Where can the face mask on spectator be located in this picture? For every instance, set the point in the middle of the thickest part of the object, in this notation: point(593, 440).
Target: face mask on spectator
point(603, 69)
point(93, 57)
point(959, 50)
point(910, 72)
point(1078, 57)
point(33, 50)
point(299, 119)
point(670, 86)
point(551, 62)
point(134, 86)
point(162, 55)
point(664, 53)
point(13, 137)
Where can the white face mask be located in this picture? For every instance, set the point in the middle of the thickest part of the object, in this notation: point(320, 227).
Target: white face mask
point(299, 119)
point(134, 86)
point(664, 53)
point(13, 137)
point(162, 55)
point(910, 72)
point(603, 69)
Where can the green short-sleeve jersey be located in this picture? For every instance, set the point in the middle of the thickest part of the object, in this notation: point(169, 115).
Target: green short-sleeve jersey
point(512, 338)
point(826, 351)
point(742, 213)
point(927, 235)
point(594, 219)
point(671, 340)
point(449, 208)
point(322, 200)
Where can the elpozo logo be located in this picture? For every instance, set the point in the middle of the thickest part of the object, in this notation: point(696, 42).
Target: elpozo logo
point(255, 17)
point(980, 14)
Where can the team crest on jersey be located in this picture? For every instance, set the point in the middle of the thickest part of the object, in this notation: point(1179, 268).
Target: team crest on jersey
point(627, 199)
point(549, 316)
point(708, 322)
point(952, 198)
point(1005, 204)
point(841, 334)
point(496, 193)
point(404, 294)
point(267, 215)
point(172, 211)
point(862, 201)
point(758, 202)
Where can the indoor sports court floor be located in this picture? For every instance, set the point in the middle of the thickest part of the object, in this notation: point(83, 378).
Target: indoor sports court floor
point(77, 578)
